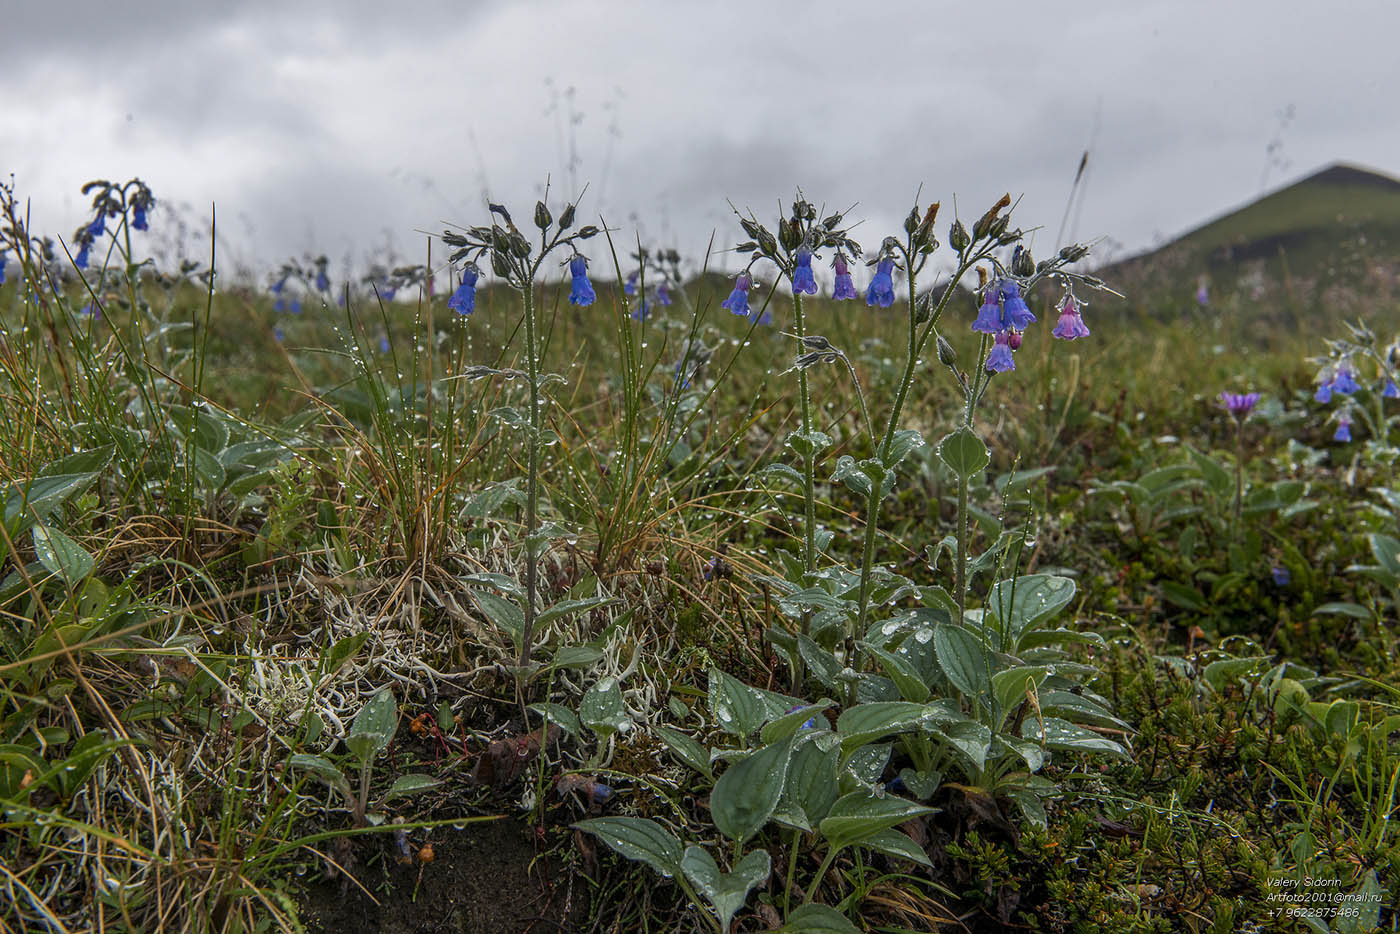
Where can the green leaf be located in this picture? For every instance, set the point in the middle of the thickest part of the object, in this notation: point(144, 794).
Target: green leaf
point(410, 784)
point(821, 663)
point(1023, 604)
point(1011, 686)
point(640, 839)
point(1061, 734)
point(904, 441)
point(1186, 597)
point(323, 770)
point(862, 723)
point(865, 765)
point(1386, 550)
point(26, 503)
point(601, 709)
point(810, 788)
point(373, 726)
point(746, 794)
point(571, 607)
point(808, 443)
point(726, 892)
point(893, 843)
point(860, 815)
point(964, 453)
point(902, 672)
point(781, 728)
point(738, 709)
point(61, 555)
point(812, 918)
point(921, 785)
point(560, 715)
point(575, 656)
point(968, 737)
point(963, 658)
point(687, 750)
point(341, 652)
point(506, 614)
point(1220, 480)
point(1354, 610)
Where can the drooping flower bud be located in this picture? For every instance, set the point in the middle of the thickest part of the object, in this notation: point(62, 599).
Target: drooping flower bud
point(542, 216)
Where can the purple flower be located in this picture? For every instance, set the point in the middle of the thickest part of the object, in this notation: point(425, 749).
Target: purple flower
point(296, 306)
point(663, 295)
point(277, 334)
point(881, 291)
point(630, 286)
point(90, 310)
point(383, 343)
point(1343, 432)
point(463, 301)
point(764, 318)
point(1071, 324)
point(802, 278)
point(581, 291)
point(322, 282)
point(738, 300)
point(279, 305)
point(641, 312)
point(845, 288)
point(1003, 309)
point(1202, 296)
point(1239, 404)
point(1001, 360)
point(1344, 382)
point(1390, 391)
point(1281, 576)
point(81, 260)
point(2, 267)
point(138, 216)
point(387, 293)
point(276, 287)
point(98, 227)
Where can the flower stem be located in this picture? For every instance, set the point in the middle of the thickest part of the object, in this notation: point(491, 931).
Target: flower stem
point(532, 477)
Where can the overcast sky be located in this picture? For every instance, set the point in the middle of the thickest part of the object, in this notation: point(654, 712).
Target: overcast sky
point(344, 128)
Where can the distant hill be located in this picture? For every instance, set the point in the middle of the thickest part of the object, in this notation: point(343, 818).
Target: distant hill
point(1330, 226)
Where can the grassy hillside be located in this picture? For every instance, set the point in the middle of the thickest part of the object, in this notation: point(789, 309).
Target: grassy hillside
point(1336, 229)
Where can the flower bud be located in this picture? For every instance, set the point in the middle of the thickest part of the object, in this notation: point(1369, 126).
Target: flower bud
point(984, 224)
point(566, 220)
point(947, 355)
point(750, 227)
point(923, 308)
point(788, 235)
point(998, 226)
point(766, 243)
point(519, 245)
point(542, 216)
point(500, 263)
point(957, 236)
point(1021, 262)
point(911, 223)
point(1013, 340)
point(1074, 252)
point(587, 232)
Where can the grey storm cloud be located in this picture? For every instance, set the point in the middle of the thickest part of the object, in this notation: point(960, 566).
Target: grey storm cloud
point(356, 128)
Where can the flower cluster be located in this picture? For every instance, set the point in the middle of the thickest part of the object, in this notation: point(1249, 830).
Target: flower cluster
point(1358, 367)
point(132, 201)
point(1005, 315)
